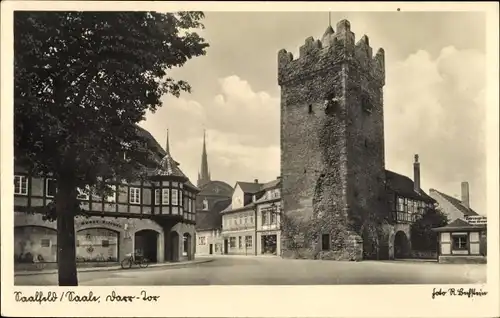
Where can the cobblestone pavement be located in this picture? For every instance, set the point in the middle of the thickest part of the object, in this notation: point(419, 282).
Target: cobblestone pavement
point(251, 270)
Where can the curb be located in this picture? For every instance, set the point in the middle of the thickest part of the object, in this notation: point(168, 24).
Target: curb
point(115, 268)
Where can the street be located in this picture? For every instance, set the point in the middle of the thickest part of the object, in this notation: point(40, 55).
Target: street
point(229, 270)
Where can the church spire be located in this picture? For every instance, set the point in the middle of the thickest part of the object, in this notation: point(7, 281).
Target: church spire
point(204, 175)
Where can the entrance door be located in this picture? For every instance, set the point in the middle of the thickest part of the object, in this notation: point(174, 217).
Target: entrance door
point(211, 249)
point(226, 246)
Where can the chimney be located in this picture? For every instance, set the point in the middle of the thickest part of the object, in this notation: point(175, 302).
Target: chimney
point(256, 180)
point(465, 194)
point(416, 175)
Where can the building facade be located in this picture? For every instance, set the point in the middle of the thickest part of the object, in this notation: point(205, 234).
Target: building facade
point(461, 242)
point(155, 217)
point(332, 153)
point(268, 225)
point(238, 220)
point(251, 224)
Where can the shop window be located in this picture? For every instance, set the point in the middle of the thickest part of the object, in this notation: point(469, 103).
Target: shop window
point(45, 243)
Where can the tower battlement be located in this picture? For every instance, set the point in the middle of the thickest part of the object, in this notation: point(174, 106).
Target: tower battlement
point(334, 49)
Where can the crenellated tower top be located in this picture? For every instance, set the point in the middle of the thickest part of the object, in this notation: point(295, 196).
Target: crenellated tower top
point(334, 48)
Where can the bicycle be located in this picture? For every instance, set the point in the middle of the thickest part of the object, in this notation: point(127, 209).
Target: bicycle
point(134, 259)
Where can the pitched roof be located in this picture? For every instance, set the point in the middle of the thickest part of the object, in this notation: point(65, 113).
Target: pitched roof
point(459, 224)
point(212, 219)
point(254, 187)
point(250, 187)
point(229, 208)
point(271, 184)
point(405, 186)
point(457, 204)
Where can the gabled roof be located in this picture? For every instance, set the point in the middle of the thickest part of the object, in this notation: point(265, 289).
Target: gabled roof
point(229, 209)
point(212, 219)
point(457, 204)
point(272, 184)
point(459, 225)
point(405, 187)
point(249, 187)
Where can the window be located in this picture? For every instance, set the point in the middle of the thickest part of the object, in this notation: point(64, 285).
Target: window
point(165, 199)
point(202, 240)
point(112, 196)
point(20, 185)
point(460, 242)
point(273, 218)
point(251, 219)
point(401, 204)
point(45, 243)
point(205, 204)
point(325, 242)
point(180, 197)
point(232, 242)
point(83, 194)
point(77, 243)
point(310, 110)
point(105, 243)
point(240, 242)
point(248, 241)
point(135, 196)
point(264, 217)
point(157, 197)
point(175, 197)
point(50, 188)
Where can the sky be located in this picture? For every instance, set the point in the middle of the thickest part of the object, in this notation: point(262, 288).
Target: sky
point(434, 97)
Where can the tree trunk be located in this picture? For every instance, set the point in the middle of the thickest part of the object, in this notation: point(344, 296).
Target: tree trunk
point(66, 250)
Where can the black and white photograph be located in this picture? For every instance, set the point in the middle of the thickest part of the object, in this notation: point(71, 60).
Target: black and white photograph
point(165, 148)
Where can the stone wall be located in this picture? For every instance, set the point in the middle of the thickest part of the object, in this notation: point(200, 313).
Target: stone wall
point(332, 161)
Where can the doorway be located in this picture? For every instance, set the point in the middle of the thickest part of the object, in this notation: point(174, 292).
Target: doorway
point(226, 246)
point(401, 245)
point(146, 243)
point(269, 244)
point(211, 249)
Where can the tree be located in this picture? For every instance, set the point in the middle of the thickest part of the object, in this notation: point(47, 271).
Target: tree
point(83, 80)
point(422, 236)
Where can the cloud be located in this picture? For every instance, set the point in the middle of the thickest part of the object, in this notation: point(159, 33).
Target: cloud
point(242, 132)
point(436, 108)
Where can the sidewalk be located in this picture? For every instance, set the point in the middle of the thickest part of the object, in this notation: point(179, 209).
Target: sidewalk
point(113, 268)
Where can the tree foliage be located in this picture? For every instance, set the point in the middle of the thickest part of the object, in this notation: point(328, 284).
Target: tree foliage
point(83, 80)
point(422, 236)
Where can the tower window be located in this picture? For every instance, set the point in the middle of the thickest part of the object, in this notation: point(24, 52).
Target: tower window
point(325, 242)
point(366, 143)
point(310, 109)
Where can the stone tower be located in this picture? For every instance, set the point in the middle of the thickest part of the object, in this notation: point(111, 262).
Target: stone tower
point(332, 146)
point(204, 174)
